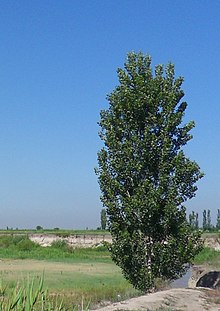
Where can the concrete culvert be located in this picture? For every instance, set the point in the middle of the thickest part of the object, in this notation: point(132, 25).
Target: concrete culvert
point(210, 279)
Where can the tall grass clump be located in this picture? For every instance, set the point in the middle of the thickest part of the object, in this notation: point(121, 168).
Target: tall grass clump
point(32, 296)
point(29, 296)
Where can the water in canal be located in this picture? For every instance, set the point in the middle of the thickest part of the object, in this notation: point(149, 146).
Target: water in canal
point(183, 281)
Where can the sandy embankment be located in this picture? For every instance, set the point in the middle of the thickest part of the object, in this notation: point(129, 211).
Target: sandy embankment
point(77, 240)
point(180, 299)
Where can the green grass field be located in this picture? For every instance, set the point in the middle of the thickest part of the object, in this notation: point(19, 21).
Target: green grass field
point(87, 275)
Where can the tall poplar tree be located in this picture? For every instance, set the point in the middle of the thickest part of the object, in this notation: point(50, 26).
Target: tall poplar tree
point(218, 220)
point(103, 219)
point(194, 220)
point(204, 220)
point(209, 224)
point(144, 175)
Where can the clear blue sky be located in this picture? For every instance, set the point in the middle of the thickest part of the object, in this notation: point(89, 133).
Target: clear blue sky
point(58, 60)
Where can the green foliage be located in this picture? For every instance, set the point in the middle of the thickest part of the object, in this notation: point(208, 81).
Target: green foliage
point(60, 244)
point(194, 220)
point(218, 220)
point(206, 224)
point(6, 240)
point(209, 225)
point(26, 245)
point(144, 174)
point(103, 219)
point(21, 242)
point(39, 228)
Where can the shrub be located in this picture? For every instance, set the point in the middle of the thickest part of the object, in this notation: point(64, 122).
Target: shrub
point(60, 244)
point(18, 238)
point(6, 240)
point(39, 228)
point(26, 245)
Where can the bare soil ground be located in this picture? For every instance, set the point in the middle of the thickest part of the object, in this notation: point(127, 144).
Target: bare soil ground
point(173, 299)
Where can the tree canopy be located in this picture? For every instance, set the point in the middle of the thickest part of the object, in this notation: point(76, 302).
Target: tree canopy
point(144, 175)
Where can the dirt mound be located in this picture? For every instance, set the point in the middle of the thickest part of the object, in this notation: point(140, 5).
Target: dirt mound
point(172, 299)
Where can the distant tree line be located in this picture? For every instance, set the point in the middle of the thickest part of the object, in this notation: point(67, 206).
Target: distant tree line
point(207, 224)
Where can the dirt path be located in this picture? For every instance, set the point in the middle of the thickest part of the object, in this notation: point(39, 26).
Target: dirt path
point(172, 299)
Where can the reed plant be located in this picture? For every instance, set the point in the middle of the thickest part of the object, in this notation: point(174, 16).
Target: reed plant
point(29, 296)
